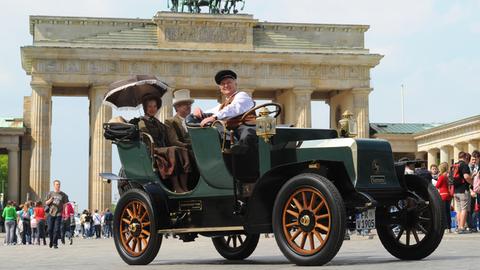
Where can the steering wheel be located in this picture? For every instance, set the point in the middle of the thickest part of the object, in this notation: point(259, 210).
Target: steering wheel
point(276, 111)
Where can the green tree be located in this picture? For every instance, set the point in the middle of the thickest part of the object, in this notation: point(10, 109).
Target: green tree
point(3, 172)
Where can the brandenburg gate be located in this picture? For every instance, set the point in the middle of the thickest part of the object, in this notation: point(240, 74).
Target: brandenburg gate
point(289, 63)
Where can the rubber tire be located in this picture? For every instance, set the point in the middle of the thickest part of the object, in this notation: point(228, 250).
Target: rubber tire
point(240, 253)
point(155, 238)
point(338, 218)
point(431, 241)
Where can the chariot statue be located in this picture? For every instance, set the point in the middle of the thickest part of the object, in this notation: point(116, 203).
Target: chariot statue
point(214, 6)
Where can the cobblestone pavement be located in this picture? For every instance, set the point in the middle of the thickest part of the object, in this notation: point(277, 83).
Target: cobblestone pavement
point(455, 252)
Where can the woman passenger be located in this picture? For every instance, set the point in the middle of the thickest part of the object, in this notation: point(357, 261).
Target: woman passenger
point(171, 155)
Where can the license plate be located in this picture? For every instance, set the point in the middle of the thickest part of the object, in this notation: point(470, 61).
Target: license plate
point(365, 220)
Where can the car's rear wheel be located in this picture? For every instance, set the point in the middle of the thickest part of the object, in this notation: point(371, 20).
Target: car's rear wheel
point(236, 246)
point(309, 209)
point(134, 231)
point(413, 229)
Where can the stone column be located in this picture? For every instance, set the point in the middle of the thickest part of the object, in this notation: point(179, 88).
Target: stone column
point(13, 192)
point(100, 192)
point(360, 104)
point(472, 146)
point(445, 154)
point(457, 148)
point(303, 107)
point(432, 157)
point(166, 111)
point(41, 117)
point(339, 103)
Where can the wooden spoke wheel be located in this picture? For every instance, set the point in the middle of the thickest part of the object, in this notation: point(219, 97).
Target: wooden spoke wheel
point(236, 246)
point(309, 219)
point(413, 226)
point(306, 221)
point(134, 228)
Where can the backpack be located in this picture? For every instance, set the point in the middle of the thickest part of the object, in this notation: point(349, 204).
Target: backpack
point(455, 178)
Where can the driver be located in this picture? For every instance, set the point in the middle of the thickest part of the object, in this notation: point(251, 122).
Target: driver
point(231, 110)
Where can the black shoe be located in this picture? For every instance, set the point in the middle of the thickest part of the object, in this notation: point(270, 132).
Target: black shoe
point(50, 245)
point(71, 241)
point(55, 246)
point(238, 149)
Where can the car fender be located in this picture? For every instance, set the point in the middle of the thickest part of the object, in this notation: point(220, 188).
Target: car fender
point(260, 204)
point(159, 200)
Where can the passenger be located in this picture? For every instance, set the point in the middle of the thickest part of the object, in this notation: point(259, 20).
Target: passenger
point(235, 105)
point(171, 155)
point(182, 103)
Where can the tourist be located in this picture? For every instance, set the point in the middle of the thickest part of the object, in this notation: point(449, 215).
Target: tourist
point(34, 227)
point(461, 173)
point(25, 215)
point(442, 186)
point(39, 213)
point(67, 216)
point(55, 201)
point(108, 217)
point(97, 223)
point(435, 173)
point(475, 191)
point(409, 165)
point(82, 223)
point(9, 215)
point(88, 224)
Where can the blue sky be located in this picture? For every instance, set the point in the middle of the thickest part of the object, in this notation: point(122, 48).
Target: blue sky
point(429, 46)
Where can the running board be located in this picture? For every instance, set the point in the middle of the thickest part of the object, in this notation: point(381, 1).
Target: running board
point(200, 230)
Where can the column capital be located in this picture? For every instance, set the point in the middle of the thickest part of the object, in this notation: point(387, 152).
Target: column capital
point(13, 148)
point(38, 82)
point(362, 90)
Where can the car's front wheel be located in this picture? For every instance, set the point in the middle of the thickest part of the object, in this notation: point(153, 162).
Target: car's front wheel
point(309, 220)
point(236, 246)
point(134, 231)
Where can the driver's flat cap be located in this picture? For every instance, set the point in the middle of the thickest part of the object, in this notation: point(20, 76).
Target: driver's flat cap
point(223, 74)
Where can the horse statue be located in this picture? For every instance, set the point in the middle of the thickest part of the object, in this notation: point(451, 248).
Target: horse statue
point(229, 4)
point(174, 7)
point(214, 6)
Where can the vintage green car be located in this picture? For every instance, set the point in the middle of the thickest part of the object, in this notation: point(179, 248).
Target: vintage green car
point(306, 186)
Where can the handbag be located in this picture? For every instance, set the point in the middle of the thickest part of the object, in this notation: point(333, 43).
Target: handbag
point(120, 131)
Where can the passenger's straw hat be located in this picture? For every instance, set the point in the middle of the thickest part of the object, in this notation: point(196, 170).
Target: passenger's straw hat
point(182, 96)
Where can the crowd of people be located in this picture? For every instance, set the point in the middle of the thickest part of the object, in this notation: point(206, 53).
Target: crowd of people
point(31, 223)
point(459, 188)
point(97, 224)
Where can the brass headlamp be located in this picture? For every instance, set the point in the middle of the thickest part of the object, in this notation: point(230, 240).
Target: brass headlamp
point(266, 125)
point(347, 125)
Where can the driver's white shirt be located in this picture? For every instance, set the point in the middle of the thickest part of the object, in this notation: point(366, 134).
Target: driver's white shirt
point(240, 104)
